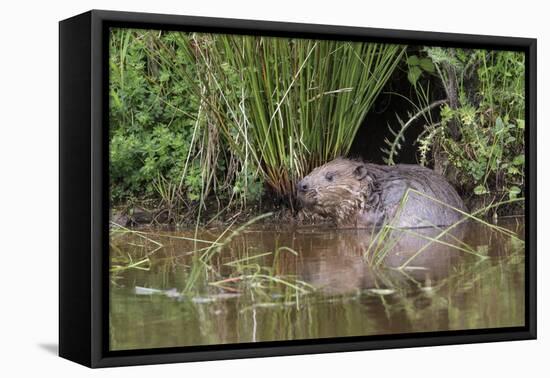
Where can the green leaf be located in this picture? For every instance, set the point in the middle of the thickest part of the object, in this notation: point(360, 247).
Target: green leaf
point(480, 189)
point(461, 55)
point(446, 113)
point(499, 125)
point(519, 160)
point(513, 192)
point(164, 77)
point(513, 171)
point(414, 74)
point(413, 60)
point(427, 65)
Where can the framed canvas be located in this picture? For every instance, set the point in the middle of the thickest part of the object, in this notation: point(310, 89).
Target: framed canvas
point(235, 188)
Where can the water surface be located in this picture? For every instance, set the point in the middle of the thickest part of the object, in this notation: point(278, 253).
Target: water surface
point(283, 283)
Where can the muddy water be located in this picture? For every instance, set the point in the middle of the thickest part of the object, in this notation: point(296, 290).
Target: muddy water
point(277, 283)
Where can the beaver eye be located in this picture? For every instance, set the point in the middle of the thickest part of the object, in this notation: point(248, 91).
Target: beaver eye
point(329, 176)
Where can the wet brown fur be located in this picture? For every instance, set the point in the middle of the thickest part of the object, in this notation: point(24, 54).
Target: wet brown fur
point(354, 193)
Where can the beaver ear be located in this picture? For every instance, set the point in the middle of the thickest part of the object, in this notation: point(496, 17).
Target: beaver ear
point(360, 172)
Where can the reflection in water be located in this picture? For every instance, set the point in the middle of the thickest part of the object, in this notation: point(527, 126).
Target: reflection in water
point(304, 283)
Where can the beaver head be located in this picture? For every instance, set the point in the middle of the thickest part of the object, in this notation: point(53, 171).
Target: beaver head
point(337, 189)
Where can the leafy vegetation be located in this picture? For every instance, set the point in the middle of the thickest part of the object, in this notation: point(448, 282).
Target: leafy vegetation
point(149, 137)
point(477, 136)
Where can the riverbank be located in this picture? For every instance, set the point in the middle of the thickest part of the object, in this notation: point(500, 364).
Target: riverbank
point(146, 214)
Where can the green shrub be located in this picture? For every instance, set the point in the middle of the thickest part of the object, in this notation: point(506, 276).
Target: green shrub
point(160, 145)
point(148, 137)
point(489, 156)
point(486, 106)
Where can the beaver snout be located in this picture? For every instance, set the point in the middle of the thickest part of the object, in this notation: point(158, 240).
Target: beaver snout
point(302, 186)
point(306, 195)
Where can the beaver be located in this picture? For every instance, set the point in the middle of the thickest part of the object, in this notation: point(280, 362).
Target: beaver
point(358, 194)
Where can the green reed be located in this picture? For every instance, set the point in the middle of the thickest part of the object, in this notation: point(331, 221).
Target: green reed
point(281, 105)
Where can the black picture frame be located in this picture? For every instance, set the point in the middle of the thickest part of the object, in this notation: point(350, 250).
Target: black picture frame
point(83, 195)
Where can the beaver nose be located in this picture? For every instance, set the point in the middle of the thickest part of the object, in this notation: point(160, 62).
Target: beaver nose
point(301, 186)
